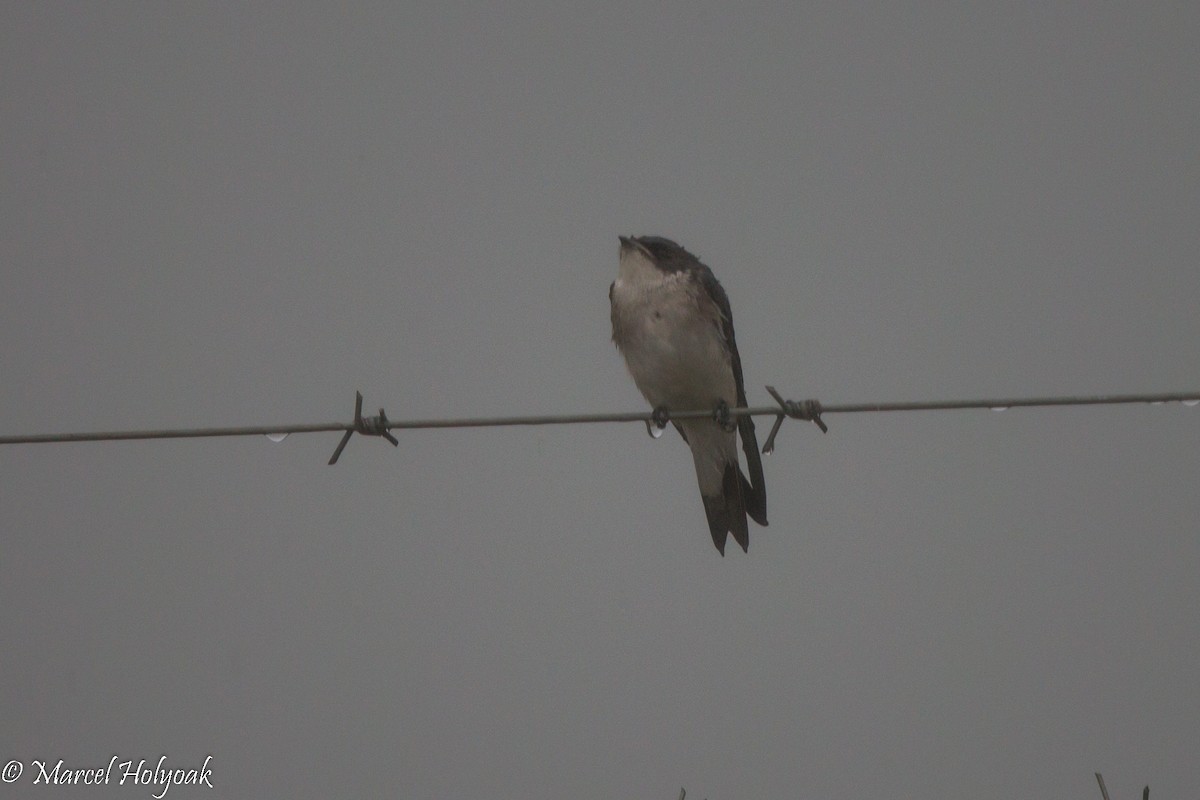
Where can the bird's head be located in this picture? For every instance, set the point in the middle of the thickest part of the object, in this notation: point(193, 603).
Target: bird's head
point(664, 255)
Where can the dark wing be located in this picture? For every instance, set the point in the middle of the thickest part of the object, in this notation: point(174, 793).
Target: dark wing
point(756, 493)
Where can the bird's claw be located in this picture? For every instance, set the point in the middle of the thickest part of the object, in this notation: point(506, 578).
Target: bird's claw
point(658, 420)
point(723, 418)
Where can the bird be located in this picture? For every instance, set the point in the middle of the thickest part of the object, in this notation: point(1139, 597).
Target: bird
point(672, 323)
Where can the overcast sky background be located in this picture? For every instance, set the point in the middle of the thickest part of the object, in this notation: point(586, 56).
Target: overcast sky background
point(239, 214)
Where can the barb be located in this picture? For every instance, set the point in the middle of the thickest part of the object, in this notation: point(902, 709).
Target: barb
point(367, 426)
point(811, 410)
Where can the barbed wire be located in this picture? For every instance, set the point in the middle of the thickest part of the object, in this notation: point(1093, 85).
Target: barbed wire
point(809, 410)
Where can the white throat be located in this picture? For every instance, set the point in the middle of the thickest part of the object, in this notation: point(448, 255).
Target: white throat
point(636, 269)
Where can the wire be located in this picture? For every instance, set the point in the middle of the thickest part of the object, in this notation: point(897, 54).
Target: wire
point(810, 409)
point(172, 433)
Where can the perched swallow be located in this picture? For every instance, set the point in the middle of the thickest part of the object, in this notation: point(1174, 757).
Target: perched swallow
point(672, 323)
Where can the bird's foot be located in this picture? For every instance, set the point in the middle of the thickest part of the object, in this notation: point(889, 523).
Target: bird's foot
point(657, 422)
point(723, 418)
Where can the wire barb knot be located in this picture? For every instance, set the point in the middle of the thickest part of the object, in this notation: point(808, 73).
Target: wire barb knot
point(367, 426)
point(807, 410)
point(375, 426)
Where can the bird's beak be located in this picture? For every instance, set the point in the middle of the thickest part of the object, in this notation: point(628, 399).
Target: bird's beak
point(630, 243)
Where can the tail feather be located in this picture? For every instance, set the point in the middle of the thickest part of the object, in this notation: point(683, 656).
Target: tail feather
point(728, 494)
point(756, 502)
point(754, 490)
point(718, 520)
point(737, 506)
point(727, 512)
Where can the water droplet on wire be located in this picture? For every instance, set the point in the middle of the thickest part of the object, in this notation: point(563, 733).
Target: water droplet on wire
point(656, 432)
point(276, 437)
point(1192, 402)
point(999, 408)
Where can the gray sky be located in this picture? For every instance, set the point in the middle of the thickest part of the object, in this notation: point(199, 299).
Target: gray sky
point(239, 214)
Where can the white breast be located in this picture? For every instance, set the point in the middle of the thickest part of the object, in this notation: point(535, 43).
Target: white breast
point(669, 332)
